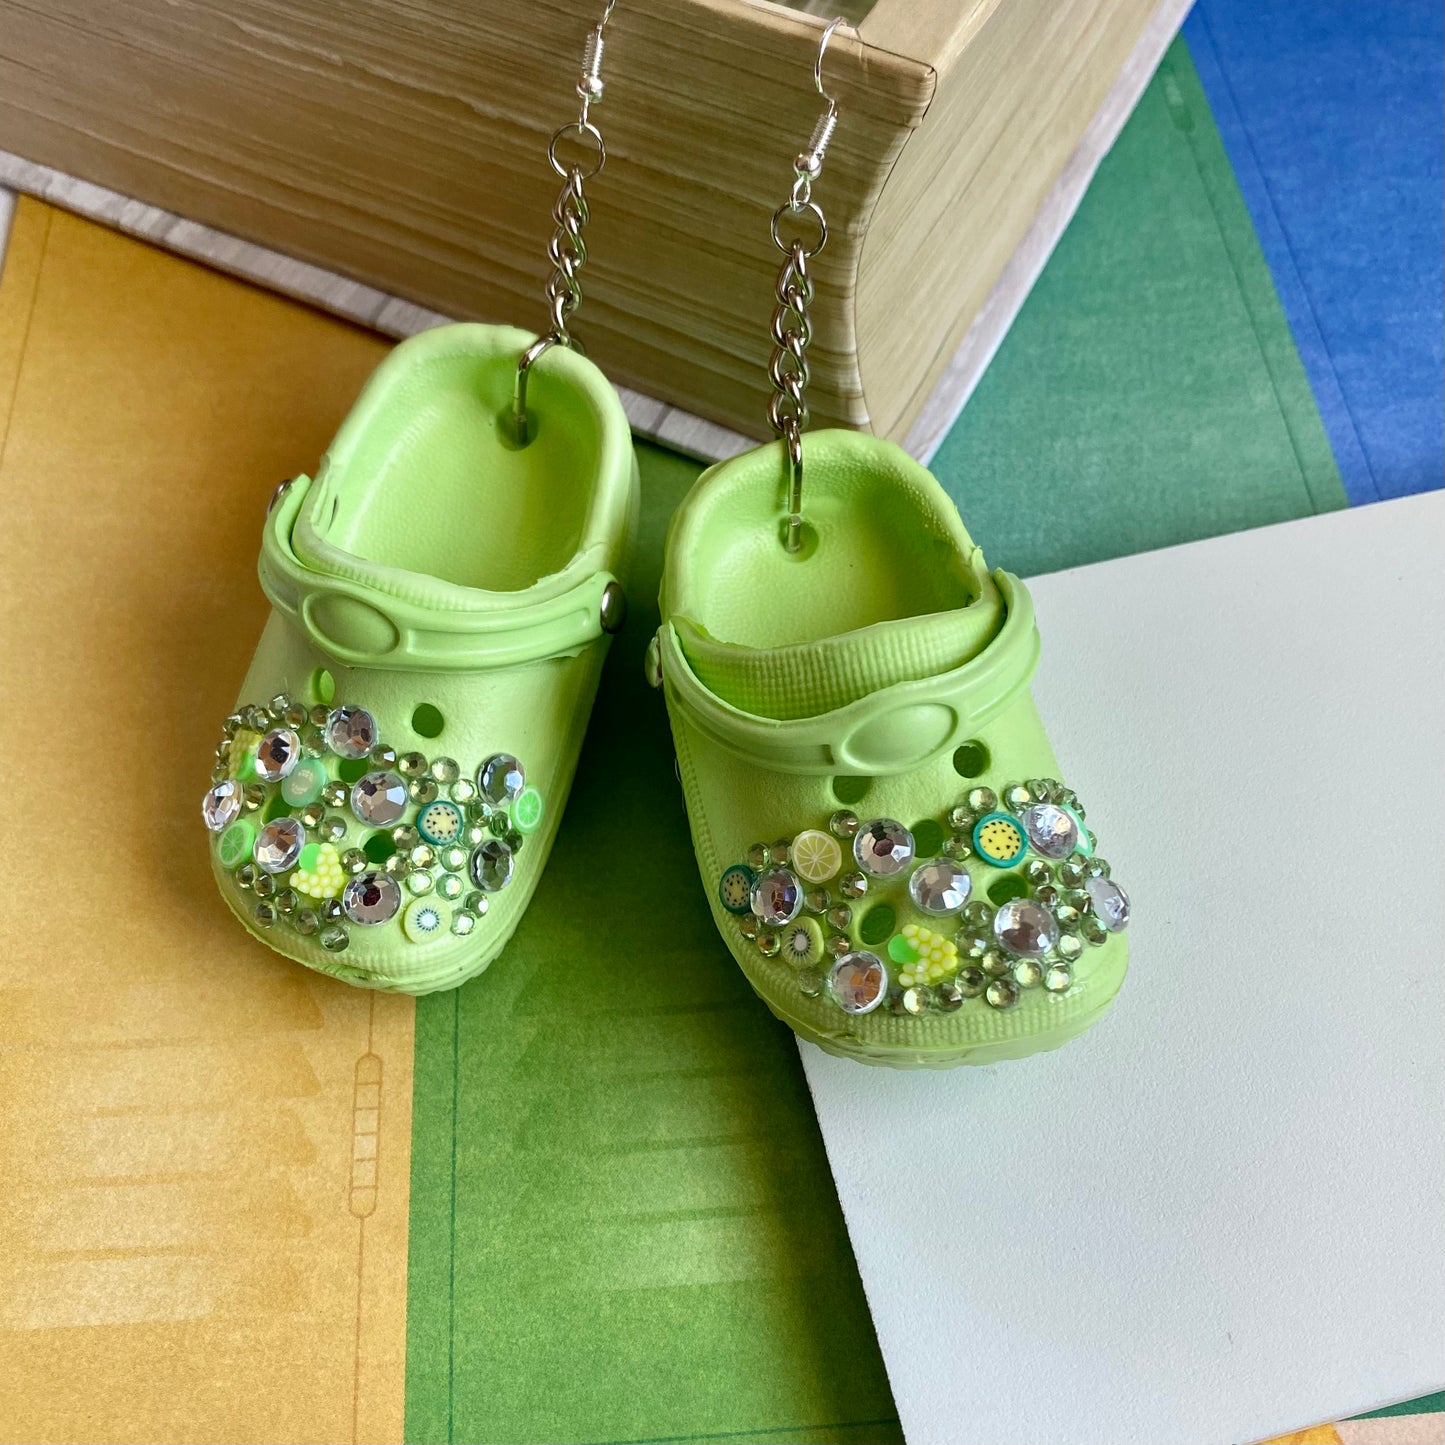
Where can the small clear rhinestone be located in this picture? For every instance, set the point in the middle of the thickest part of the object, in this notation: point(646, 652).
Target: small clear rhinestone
point(491, 866)
point(843, 824)
point(777, 896)
point(350, 732)
point(883, 847)
point(501, 778)
point(379, 799)
point(1058, 979)
point(222, 805)
point(1110, 903)
point(277, 755)
point(1025, 928)
point(279, 844)
point(940, 887)
point(445, 770)
point(1002, 993)
point(334, 938)
point(859, 982)
point(371, 898)
point(1051, 829)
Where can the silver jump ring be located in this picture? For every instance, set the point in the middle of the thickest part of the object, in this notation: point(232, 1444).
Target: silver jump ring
point(811, 209)
point(585, 131)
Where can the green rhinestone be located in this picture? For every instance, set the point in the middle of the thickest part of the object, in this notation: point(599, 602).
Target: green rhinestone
point(423, 855)
point(312, 814)
point(454, 858)
point(476, 835)
point(748, 926)
point(971, 981)
point(1096, 868)
point(1039, 873)
point(477, 903)
point(418, 883)
point(816, 901)
point(397, 866)
point(916, 999)
point(451, 887)
point(1002, 993)
point(463, 923)
point(499, 824)
point(1067, 915)
point(810, 982)
point(479, 810)
point(1042, 789)
point(977, 914)
point(334, 795)
point(1047, 894)
point(462, 791)
point(995, 964)
point(1071, 871)
point(445, 770)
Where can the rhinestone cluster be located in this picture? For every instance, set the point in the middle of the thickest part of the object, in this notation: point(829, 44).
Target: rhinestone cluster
point(811, 900)
point(327, 828)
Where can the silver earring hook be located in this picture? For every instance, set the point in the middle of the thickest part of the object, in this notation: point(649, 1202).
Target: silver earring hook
point(792, 327)
point(567, 250)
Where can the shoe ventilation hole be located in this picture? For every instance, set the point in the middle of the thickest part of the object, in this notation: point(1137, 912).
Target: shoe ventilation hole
point(971, 759)
point(427, 721)
point(928, 839)
point(877, 923)
point(323, 686)
point(851, 790)
point(1006, 889)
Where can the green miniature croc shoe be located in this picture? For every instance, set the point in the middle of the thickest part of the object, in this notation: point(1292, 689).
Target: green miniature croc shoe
point(388, 788)
point(877, 813)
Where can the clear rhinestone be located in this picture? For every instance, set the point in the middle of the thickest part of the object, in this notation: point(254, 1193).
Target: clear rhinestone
point(810, 982)
point(379, 799)
point(264, 914)
point(332, 829)
point(1110, 903)
point(492, 865)
point(1026, 928)
point(758, 855)
point(501, 778)
point(371, 898)
point(978, 914)
point(423, 791)
point(405, 837)
point(306, 922)
point(853, 885)
point(265, 886)
point(839, 945)
point(333, 794)
point(383, 755)
point(840, 916)
point(462, 791)
point(286, 901)
point(748, 926)
point(779, 852)
point(994, 963)
point(1018, 797)
point(423, 855)
point(1051, 829)
point(859, 981)
point(463, 923)
point(253, 796)
point(777, 896)
point(1028, 973)
point(1069, 948)
point(412, 765)
point(843, 824)
point(246, 875)
point(445, 770)
point(950, 997)
point(222, 805)
point(1002, 993)
point(883, 847)
point(940, 887)
point(960, 817)
point(768, 944)
point(982, 800)
point(295, 715)
point(279, 844)
point(277, 755)
point(355, 862)
point(816, 901)
point(350, 732)
point(419, 882)
point(1093, 931)
point(1058, 979)
point(334, 938)
point(311, 815)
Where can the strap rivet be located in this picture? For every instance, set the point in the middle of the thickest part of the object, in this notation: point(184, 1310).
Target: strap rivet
point(614, 607)
point(281, 489)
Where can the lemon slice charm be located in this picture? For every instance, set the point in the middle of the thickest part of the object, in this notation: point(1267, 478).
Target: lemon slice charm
point(817, 856)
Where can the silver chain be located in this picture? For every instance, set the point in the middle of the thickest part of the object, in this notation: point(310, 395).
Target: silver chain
point(792, 327)
point(567, 251)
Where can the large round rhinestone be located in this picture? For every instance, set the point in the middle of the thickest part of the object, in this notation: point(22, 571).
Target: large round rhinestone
point(491, 865)
point(279, 844)
point(379, 799)
point(350, 731)
point(883, 847)
point(222, 805)
point(777, 896)
point(371, 898)
point(1051, 829)
point(859, 981)
point(501, 778)
point(1026, 928)
point(1111, 903)
point(277, 754)
point(940, 887)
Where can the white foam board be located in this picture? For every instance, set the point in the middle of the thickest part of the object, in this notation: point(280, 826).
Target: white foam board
point(1220, 1214)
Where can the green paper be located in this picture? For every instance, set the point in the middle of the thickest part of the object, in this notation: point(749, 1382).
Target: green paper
point(623, 1225)
point(1150, 391)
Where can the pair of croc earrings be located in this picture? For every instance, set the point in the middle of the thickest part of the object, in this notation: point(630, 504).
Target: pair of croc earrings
point(875, 807)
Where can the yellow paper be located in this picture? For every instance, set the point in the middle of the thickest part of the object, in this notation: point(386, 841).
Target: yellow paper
point(204, 1149)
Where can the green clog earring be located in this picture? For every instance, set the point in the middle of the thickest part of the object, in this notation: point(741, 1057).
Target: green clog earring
point(385, 793)
point(879, 820)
